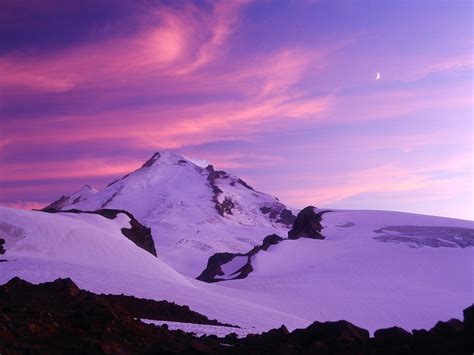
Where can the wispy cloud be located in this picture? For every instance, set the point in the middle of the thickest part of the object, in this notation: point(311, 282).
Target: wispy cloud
point(387, 179)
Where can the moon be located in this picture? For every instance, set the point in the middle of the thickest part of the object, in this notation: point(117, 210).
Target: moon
point(377, 77)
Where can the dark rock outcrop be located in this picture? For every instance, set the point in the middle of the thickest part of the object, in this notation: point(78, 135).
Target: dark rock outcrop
point(395, 338)
point(57, 205)
point(213, 268)
point(341, 337)
point(2, 243)
point(307, 224)
point(279, 214)
point(244, 184)
point(468, 314)
point(58, 317)
point(139, 234)
point(213, 271)
point(269, 240)
point(151, 161)
point(65, 201)
point(286, 217)
point(226, 206)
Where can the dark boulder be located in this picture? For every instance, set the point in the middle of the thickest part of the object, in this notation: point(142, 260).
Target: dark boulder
point(394, 340)
point(244, 184)
point(340, 337)
point(307, 224)
point(448, 328)
point(468, 314)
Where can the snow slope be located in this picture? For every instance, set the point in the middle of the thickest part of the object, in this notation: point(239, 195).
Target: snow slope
point(90, 250)
point(200, 329)
point(351, 275)
point(174, 197)
point(82, 239)
point(374, 268)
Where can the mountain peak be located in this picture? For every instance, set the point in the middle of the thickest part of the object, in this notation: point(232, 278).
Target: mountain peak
point(85, 192)
point(165, 157)
point(193, 209)
point(86, 188)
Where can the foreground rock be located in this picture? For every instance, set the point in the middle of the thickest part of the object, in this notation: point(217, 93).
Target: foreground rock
point(58, 317)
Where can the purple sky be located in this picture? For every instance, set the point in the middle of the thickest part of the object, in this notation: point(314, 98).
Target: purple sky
point(281, 93)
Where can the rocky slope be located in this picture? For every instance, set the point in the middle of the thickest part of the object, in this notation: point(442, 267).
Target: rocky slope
point(65, 201)
point(233, 266)
point(82, 322)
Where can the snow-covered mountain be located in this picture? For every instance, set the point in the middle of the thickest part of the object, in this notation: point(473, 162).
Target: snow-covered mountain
point(373, 268)
point(76, 197)
point(193, 210)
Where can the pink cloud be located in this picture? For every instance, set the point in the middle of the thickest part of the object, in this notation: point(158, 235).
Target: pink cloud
point(388, 179)
point(83, 168)
point(271, 101)
point(186, 38)
point(241, 160)
point(24, 205)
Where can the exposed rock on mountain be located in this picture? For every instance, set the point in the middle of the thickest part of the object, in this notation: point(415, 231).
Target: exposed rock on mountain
point(307, 224)
point(279, 213)
point(231, 266)
point(137, 233)
point(218, 269)
point(152, 160)
point(76, 197)
point(286, 217)
point(214, 266)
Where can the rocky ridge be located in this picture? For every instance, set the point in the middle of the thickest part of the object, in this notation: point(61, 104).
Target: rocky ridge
point(307, 224)
point(139, 234)
point(82, 322)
